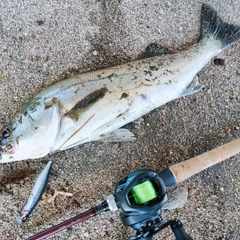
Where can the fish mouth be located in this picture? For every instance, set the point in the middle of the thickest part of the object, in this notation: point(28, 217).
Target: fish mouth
point(7, 148)
point(3, 142)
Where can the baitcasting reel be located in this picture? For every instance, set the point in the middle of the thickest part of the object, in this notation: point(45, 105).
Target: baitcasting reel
point(140, 196)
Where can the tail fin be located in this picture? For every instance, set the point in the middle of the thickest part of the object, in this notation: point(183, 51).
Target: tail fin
point(212, 24)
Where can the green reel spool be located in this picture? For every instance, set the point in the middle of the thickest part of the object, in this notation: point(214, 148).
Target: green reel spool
point(144, 192)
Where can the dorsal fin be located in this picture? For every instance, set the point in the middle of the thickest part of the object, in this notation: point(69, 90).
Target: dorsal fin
point(153, 50)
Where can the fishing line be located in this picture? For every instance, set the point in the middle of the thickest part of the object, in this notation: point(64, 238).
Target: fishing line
point(144, 192)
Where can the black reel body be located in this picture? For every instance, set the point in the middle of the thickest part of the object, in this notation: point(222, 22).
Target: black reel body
point(140, 196)
point(140, 215)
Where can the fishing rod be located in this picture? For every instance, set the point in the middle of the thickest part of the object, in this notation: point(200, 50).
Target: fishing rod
point(140, 195)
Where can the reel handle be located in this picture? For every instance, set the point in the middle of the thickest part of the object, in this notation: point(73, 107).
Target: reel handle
point(179, 231)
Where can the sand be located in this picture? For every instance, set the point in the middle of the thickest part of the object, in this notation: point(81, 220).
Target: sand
point(43, 42)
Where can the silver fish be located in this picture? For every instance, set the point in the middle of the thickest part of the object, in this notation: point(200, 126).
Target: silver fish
point(93, 106)
point(35, 194)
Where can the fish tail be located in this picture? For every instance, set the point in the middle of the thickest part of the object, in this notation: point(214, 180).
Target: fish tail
point(213, 25)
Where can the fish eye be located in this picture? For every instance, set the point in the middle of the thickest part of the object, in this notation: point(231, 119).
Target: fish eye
point(6, 133)
point(9, 147)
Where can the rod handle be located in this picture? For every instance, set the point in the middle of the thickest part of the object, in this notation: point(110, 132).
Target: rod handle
point(188, 168)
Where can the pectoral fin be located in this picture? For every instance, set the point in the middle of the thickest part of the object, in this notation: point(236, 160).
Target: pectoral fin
point(86, 103)
point(193, 87)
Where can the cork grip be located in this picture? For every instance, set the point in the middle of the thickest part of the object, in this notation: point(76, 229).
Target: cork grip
point(196, 164)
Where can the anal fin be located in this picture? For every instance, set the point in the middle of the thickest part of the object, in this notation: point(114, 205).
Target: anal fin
point(118, 135)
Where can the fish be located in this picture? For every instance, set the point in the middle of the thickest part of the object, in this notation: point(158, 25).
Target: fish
point(35, 194)
point(94, 106)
